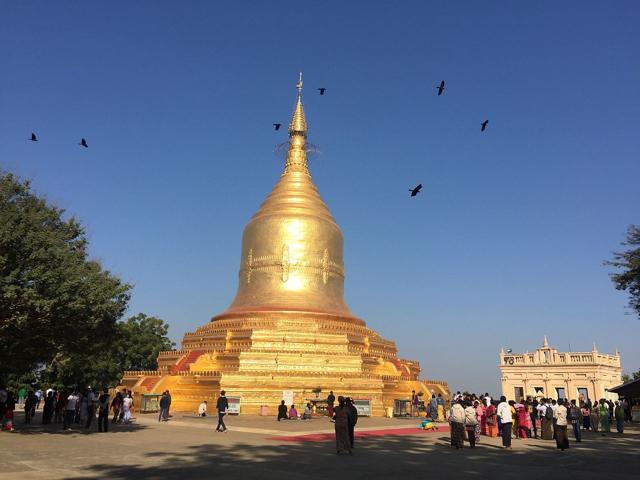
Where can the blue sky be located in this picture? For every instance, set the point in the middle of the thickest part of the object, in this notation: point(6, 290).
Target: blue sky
point(505, 244)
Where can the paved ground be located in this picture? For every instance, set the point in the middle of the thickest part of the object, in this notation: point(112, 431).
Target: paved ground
point(259, 447)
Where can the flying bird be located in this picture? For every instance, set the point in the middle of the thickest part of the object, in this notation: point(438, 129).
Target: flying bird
point(83, 143)
point(276, 126)
point(440, 88)
point(321, 90)
point(483, 125)
point(416, 190)
point(33, 137)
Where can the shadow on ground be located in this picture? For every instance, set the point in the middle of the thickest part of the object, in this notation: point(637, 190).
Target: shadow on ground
point(384, 457)
point(37, 428)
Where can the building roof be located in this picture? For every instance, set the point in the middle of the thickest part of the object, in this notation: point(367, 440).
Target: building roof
point(629, 389)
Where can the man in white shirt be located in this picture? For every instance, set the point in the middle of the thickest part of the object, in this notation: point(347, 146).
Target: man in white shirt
point(487, 400)
point(70, 410)
point(504, 413)
point(202, 409)
point(554, 407)
point(560, 429)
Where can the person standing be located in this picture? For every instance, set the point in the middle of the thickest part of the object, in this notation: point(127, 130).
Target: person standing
point(562, 439)
point(103, 411)
point(164, 407)
point(70, 410)
point(433, 408)
point(554, 408)
point(168, 405)
point(626, 406)
point(440, 402)
point(282, 411)
point(116, 406)
point(595, 417)
point(533, 413)
point(504, 413)
point(91, 409)
point(352, 413)
point(222, 405)
point(492, 421)
point(415, 403)
point(341, 424)
point(22, 394)
point(29, 407)
point(47, 410)
point(7, 408)
point(456, 421)
point(38, 399)
point(586, 416)
point(576, 419)
point(471, 423)
point(331, 399)
point(605, 425)
point(611, 408)
point(618, 413)
point(481, 428)
point(524, 420)
point(59, 407)
point(127, 405)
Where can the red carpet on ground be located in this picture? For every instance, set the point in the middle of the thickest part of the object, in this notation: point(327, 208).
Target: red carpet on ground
point(323, 437)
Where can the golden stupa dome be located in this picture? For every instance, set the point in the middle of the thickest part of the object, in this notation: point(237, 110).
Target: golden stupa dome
point(292, 247)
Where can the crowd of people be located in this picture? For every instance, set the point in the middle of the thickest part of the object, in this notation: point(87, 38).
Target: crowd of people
point(471, 416)
point(67, 408)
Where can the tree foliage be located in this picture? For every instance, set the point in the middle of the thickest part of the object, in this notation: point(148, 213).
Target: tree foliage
point(54, 300)
point(629, 261)
point(135, 346)
point(634, 376)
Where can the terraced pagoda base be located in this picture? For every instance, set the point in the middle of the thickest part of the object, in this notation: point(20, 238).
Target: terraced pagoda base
point(260, 357)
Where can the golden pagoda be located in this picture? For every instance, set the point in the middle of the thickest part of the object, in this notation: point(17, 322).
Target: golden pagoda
point(288, 329)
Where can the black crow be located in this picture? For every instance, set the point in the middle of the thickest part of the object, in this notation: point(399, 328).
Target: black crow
point(415, 191)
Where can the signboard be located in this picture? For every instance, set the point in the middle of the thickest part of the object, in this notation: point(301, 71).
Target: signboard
point(287, 396)
point(234, 405)
point(363, 406)
point(149, 403)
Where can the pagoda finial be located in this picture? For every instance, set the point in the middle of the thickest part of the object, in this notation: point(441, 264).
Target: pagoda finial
point(546, 342)
point(297, 154)
point(299, 85)
point(595, 349)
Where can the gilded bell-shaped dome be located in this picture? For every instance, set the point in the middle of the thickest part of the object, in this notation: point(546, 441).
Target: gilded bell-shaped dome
point(292, 247)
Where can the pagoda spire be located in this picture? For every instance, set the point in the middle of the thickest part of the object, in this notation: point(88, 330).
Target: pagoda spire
point(545, 344)
point(296, 160)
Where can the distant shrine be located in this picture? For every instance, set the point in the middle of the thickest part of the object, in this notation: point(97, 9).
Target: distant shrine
point(550, 373)
point(288, 334)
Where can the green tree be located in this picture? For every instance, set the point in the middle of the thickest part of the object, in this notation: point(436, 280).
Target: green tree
point(135, 346)
point(141, 339)
point(629, 261)
point(634, 376)
point(54, 301)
